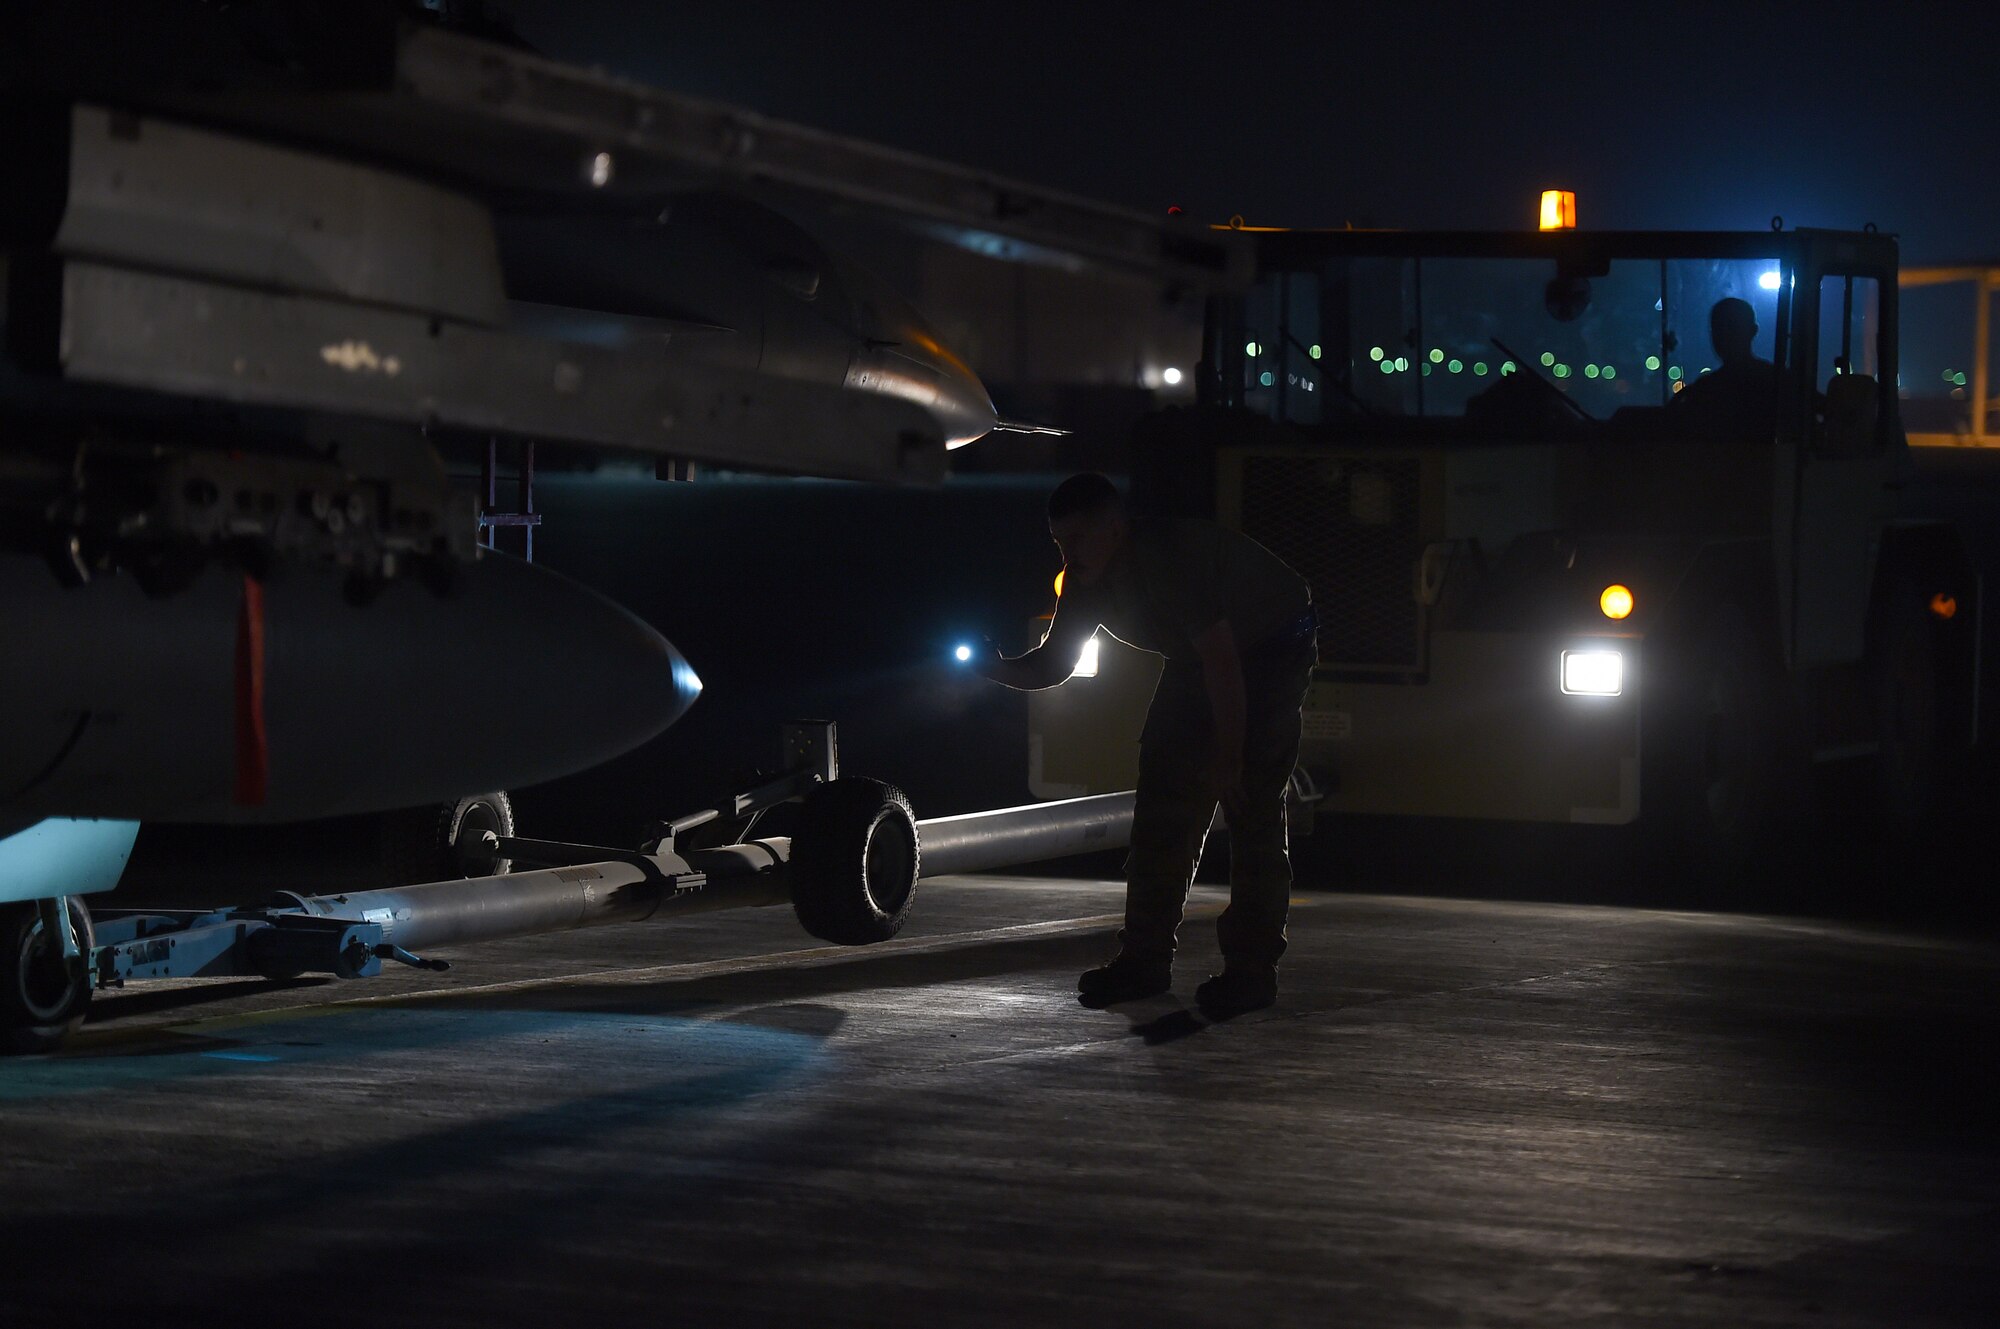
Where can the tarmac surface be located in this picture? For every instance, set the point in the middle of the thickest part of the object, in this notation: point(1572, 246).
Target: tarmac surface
point(1461, 1113)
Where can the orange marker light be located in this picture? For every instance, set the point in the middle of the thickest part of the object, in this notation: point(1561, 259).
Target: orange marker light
point(1944, 606)
point(1616, 602)
point(1059, 579)
point(1558, 210)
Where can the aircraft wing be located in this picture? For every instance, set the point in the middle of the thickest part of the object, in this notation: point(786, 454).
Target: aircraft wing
point(458, 109)
point(199, 338)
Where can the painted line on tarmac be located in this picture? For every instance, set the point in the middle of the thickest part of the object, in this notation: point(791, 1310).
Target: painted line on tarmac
point(817, 957)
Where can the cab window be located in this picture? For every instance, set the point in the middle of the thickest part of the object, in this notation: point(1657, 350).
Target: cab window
point(1847, 382)
point(1487, 346)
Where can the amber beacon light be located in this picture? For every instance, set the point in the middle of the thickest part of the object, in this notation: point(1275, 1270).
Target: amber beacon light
point(1558, 210)
point(1616, 602)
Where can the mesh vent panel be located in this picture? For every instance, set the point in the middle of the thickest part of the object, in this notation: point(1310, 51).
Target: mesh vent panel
point(1349, 526)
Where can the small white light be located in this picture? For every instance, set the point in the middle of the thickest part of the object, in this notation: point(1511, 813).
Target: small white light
point(1769, 281)
point(963, 653)
point(1086, 660)
point(600, 170)
point(1170, 376)
point(1593, 673)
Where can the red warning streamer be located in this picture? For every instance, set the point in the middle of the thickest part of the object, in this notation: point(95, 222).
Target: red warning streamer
point(253, 753)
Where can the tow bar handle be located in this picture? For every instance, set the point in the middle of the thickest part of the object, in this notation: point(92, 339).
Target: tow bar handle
point(390, 951)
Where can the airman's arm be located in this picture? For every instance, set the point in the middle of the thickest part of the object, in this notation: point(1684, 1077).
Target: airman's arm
point(1049, 663)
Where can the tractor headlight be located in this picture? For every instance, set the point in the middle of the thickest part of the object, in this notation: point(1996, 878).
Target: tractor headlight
point(1593, 673)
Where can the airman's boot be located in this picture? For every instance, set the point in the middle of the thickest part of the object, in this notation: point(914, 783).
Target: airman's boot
point(1238, 990)
point(1128, 977)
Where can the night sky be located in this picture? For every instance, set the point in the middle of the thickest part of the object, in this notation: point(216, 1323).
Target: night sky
point(1391, 114)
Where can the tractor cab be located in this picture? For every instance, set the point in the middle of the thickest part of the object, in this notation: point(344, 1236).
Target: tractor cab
point(1556, 492)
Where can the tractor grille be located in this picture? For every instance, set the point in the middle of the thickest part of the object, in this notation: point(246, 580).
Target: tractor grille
point(1350, 526)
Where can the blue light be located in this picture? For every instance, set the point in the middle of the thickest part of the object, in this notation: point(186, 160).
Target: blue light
point(963, 653)
point(1770, 280)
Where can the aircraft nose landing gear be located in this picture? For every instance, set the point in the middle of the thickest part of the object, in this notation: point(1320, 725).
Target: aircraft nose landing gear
point(44, 972)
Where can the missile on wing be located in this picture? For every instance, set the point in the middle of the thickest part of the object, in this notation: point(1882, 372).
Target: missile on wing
point(216, 387)
point(254, 307)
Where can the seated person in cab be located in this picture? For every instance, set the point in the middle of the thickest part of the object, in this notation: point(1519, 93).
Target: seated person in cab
point(1237, 629)
point(1739, 400)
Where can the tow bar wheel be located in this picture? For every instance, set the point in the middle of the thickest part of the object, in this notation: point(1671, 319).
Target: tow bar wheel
point(464, 826)
point(42, 993)
point(854, 862)
point(443, 841)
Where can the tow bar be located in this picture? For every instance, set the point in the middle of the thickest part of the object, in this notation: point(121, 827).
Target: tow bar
point(850, 873)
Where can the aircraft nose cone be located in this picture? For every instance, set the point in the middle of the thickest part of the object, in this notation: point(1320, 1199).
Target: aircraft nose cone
point(547, 677)
point(927, 371)
point(965, 407)
point(906, 358)
point(512, 677)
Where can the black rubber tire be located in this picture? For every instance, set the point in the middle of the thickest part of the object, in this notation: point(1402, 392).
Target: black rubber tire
point(40, 1006)
point(462, 824)
point(1713, 750)
point(855, 862)
point(439, 842)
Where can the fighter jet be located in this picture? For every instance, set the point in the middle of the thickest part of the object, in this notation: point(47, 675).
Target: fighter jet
point(267, 265)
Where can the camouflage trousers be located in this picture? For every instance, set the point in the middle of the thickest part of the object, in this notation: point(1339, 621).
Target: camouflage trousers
point(1175, 807)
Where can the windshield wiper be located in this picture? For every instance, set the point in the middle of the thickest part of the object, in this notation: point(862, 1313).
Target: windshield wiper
point(1340, 383)
point(1560, 395)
